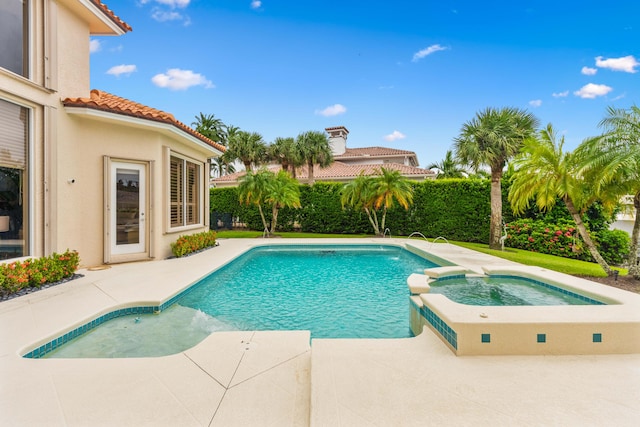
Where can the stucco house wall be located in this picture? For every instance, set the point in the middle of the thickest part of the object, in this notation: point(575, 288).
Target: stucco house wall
point(65, 195)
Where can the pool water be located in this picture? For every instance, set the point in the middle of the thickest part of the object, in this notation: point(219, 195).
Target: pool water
point(346, 291)
point(512, 291)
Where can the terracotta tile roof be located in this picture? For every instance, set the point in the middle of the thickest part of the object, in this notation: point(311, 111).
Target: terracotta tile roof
point(112, 16)
point(373, 152)
point(107, 102)
point(340, 171)
point(336, 128)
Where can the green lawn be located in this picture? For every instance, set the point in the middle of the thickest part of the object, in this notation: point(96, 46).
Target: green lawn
point(564, 265)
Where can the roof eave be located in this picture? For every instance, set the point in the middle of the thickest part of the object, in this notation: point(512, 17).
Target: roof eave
point(99, 23)
point(141, 122)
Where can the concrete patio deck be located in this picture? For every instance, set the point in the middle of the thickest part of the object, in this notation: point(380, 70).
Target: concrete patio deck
point(278, 378)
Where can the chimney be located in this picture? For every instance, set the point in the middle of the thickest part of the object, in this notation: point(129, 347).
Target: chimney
point(338, 139)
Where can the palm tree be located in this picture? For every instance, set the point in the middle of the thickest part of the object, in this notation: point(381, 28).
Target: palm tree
point(390, 186)
point(491, 139)
point(315, 150)
point(545, 172)
point(359, 195)
point(283, 151)
point(282, 191)
point(212, 128)
point(248, 147)
point(253, 189)
point(612, 163)
point(448, 167)
point(374, 193)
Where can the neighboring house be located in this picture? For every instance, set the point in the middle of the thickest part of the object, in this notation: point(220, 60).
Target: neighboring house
point(626, 217)
point(350, 162)
point(87, 170)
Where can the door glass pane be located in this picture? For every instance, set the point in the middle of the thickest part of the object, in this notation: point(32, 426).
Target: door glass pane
point(127, 206)
point(14, 123)
point(13, 35)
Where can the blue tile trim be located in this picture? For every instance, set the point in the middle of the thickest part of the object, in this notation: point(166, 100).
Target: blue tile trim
point(440, 325)
point(597, 337)
point(542, 338)
point(552, 287)
point(485, 338)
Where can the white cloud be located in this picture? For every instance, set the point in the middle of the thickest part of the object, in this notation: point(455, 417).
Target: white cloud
point(588, 71)
point(255, 4)
point(535, 102)
point(174, 3)
point(395, 135)
point(177, 79)
point(164, 15)
point(560, 94)
point(591, 90)
point(94, 46)
point(427, 51)
point(332, 110)
point(627, 64)
point(118, 70)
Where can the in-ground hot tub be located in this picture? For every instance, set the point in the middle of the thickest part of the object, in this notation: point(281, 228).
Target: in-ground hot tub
point(581, 317)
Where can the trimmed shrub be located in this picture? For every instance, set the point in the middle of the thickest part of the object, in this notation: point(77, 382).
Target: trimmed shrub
point(193, 242)
point(613, 245)
point(36, 272)
point(562, 239)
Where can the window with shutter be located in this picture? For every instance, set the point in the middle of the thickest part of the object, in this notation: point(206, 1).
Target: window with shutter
point(184, 192)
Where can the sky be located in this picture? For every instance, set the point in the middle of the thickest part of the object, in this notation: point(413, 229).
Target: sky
point(405, 74)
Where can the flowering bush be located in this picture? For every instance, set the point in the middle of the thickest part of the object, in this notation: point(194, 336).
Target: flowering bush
point(38, 271)
point(193, 242)
point(562, 239)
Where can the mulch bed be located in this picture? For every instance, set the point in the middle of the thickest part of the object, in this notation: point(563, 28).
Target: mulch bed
point(627, 283)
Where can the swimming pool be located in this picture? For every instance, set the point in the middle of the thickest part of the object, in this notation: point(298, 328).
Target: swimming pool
point(343, 291)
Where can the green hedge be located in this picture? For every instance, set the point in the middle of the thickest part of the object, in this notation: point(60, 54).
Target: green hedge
point(456, 209)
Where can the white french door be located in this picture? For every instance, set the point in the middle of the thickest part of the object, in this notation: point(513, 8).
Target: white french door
point(127, 208)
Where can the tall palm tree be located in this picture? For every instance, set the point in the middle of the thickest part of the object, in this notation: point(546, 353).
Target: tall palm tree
point(612, 163)
point(212, 128)
point(248, 147)
point(315, 150)
point(283, 151)
point(545, 172)
point(253, 190)
point(372, 193)
point(282, 191)
point(448, 167)
point(491, 139)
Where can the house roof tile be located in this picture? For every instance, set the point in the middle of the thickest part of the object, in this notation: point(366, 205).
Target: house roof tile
point(341, 171)
point(104, 101)
point(112, 16)
point(373, 152)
